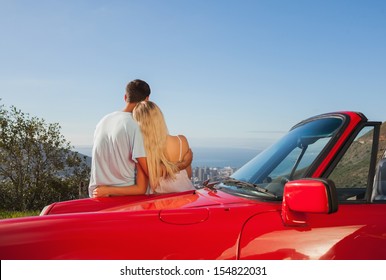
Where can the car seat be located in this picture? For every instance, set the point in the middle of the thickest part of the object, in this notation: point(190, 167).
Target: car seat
point(379, 188)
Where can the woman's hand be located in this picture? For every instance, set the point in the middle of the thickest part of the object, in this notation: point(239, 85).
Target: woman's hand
point(101, 191)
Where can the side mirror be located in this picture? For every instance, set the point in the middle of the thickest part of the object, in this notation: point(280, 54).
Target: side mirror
point(308, 196)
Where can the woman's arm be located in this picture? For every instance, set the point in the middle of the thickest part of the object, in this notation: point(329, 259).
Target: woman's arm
point(139, 188)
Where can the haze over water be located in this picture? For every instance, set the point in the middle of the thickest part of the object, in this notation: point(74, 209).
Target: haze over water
point(209, 157)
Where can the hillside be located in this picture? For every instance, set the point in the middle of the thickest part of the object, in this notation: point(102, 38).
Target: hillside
point(367, 138)
point(353, 168)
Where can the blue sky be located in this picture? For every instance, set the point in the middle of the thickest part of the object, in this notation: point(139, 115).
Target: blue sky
point(225, 73)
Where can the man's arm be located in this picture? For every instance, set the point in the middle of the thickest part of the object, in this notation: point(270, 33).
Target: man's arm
point(186, 160)
point(143, 163)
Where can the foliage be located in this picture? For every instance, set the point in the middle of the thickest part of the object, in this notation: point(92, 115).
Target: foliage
point(5, 214)
point(37, 166)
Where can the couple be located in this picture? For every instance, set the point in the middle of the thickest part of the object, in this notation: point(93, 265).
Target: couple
point(132, 147)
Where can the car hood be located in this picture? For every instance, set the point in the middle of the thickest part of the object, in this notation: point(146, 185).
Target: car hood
point(190, 199)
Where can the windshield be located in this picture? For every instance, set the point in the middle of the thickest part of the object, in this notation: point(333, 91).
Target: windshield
point(291, 157)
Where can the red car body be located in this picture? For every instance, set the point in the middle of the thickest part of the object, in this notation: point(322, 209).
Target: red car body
point(316, 194)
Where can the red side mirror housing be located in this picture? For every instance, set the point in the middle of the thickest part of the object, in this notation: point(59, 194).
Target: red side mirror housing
point(308, 196)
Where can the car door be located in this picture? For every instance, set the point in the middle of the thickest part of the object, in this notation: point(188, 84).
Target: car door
point(356, 231)
point(356, 181)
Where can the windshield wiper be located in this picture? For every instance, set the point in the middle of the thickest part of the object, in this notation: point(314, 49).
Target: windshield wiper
point(210, 185)
point(247, 185)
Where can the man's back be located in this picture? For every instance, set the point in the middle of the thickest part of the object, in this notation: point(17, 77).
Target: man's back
point(117, 144)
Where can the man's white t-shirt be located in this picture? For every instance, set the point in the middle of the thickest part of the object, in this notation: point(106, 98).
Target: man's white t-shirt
point(118, 143)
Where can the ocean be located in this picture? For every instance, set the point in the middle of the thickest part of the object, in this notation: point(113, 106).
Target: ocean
point(209, 157)
point(222, 157)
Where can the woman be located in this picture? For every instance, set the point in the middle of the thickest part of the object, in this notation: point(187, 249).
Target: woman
point(163, 151)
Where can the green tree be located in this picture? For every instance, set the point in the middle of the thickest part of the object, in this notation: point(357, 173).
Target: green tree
point(37, 165)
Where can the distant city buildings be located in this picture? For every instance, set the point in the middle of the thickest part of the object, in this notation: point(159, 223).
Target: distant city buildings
point(201, 174)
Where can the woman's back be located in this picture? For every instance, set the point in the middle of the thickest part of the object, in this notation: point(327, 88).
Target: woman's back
point(176, 147)
point(163, 151)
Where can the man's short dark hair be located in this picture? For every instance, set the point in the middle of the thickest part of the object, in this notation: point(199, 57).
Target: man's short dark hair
point(137, 91)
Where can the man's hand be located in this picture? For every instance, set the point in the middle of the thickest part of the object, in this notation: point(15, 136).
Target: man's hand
point(163, 171)
point(186, 160)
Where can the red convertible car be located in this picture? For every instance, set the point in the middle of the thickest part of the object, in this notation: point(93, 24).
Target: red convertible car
point(318, 193)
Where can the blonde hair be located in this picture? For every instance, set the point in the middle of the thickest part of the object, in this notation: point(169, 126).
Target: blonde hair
point(154, 130)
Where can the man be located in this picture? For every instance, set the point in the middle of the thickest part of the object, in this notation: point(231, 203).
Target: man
point(118, 155)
